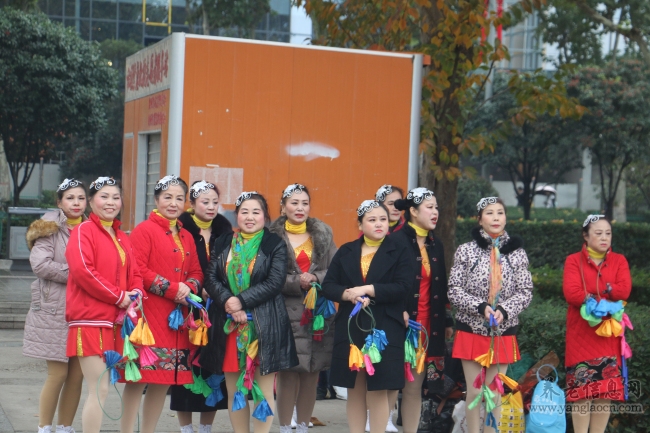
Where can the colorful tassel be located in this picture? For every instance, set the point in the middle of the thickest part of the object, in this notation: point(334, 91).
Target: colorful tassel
point(379, 339)
point(355, 361)
point(111, 358)
point(408, 374)
point(136, 334)
point(486, 359)
point(131, 372)
point(127, 328)
point(310, 299)
point(319, 323)
point(147, 357)
point(409, 352)
point(129, 351)
point(258, 396)
point(373, 354)
point(147, 336)
point(480, 379)
point(214, 382)
point(510, 383)
point(262, 411)
point(590, 318)
point(120, 317)
point(497, 385)
point(252, 349)
point(306, 317)
point(175, 319)
point(370, 369)
point(491, 421)
point(238, 401)
point(191, 324)
point(609, 327)
point(421, 358)
point(199, 336)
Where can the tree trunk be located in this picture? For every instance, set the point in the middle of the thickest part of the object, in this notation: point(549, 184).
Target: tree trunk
point(206, 21)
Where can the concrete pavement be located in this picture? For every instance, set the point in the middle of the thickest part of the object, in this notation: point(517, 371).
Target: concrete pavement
point(22, 378)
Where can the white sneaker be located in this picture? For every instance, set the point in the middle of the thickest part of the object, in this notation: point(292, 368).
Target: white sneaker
point(187, 429)
point(46, 429)
point(302, 428)
point(367, 420)
point(205, 428)
point(285, 429)
point(63, 429)
point(341, 393)
point(294, 418)
point(390, 427)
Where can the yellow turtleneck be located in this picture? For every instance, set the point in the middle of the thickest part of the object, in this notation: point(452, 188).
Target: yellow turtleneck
point(595, 254)
point(372, 243)
point(419, 230)
point(172, 223)
point(203, 225)
point(249, 236)
point(106, 223)
point(393, 223)
point(75, 221)
point(120, 250)
point(295, 229)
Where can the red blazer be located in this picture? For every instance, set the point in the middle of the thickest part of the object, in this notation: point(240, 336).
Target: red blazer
point(162, 267)
point(582, 343)
point(93, 292)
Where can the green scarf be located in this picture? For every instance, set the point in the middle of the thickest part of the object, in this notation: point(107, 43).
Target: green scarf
point(239, 269)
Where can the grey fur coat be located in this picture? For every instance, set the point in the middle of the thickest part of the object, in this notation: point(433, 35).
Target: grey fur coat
point(313, 355)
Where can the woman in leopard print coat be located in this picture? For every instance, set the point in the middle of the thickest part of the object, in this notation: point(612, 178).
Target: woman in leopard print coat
point(469, 290)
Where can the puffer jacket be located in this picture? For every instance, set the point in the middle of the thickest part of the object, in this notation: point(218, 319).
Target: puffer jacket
point(277, 350)
point(314, 355)
point(46, 330)
point(469, 283)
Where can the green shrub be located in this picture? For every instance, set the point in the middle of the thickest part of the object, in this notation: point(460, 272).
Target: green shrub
point(470, 191)
point(543, 328)
point(548, 243)
point(547, 214)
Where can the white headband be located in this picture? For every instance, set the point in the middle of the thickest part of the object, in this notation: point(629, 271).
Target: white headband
point(201, 187)
point(419, 194)
point(243, 197)
point(382, 192)
point(592, 219)
point(166, 181)
point(294, 188)
point(367, 206)
point(484, 202)
point(101, 181)
point(67, 184)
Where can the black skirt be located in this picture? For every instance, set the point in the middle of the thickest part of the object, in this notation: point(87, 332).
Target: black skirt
point(184, 400)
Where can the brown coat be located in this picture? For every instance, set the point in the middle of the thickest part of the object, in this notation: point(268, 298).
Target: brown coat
point(46, 330)
point(314, 356)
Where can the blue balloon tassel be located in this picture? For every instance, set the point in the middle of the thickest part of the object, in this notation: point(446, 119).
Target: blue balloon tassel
point(175, 319)
point(127, 327)
point(214, 382)
point(379, 338)
point(368, 341)
point(262, 411)
point(112, 358)
point(491, 421)
point(238, 401)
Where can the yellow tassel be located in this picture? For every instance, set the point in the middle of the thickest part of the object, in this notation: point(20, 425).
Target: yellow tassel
point(147, 336)
point(486, 359)
point(356, 358)
point(609, 327)
point(310, 299)
point(421, 358)
point(252, 350)
point(136, 335)
point(510, 383)
point(200, 336)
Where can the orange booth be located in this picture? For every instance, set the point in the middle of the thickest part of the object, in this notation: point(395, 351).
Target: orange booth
point(253, 115)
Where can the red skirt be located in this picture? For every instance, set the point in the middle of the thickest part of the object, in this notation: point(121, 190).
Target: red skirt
point(89, 341)
point(230, 361)
point(469, 346)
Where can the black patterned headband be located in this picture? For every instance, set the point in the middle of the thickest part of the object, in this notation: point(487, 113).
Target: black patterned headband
point(592, 219)
point(201, 187)
point(419, 194)
point(294, 188)
point(484, 202)
point(101, 181)
point(244, 196)
point(68, 183)
point(166, 182)
point(383, 192)
point(366, 207)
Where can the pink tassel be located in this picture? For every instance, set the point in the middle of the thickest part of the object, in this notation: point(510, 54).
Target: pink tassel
point(626, 321)
point(497, 385)
point(204, 317)
point(191, 324)
point(407, 372)
point(120, 317)
point(626, 351)
point(132, 313)
point(147, 356)
point(480, 379)
point(354, 368)
point(250, 373)
point(370, 369)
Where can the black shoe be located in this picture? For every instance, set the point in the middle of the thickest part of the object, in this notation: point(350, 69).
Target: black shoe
point(321, 393)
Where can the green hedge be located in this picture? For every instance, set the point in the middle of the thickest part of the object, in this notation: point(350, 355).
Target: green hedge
point(543, 328)
point(548, 243)
point(548, 284)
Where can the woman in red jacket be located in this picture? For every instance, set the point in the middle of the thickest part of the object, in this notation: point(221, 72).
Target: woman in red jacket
point(592, 278)
point(170, 268)
point(102, 274)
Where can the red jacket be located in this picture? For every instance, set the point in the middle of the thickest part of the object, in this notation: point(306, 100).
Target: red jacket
point(93, 292)
point(162, 267)
point(582, 343)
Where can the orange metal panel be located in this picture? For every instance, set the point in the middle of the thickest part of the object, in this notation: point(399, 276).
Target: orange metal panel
point(245, 103)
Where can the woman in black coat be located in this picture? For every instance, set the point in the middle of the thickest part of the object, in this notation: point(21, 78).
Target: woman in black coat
point(377, 271)
point(262, 299)
point(426, 302)
point(205, 225)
